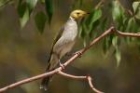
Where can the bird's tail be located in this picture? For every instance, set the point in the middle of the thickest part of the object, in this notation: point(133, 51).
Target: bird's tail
point(44, 83)
point(52, 64)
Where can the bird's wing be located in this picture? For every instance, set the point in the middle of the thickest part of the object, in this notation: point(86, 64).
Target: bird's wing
point(58, 36)
point(45, 81)
point(55, 40)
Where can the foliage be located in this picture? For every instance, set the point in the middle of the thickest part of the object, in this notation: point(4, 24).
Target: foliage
point(102, 16)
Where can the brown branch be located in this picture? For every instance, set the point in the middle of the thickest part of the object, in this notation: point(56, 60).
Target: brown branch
point(74, 57)
point(91, 85)
point(88, 78)
point(28, 80)
point(127, 34)
point(71, 76)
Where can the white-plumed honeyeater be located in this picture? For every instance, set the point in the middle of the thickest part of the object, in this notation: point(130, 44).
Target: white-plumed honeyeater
point(63, 43)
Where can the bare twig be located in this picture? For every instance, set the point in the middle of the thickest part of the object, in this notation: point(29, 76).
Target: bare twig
point(91, 85)
point(74, 57)
point(71, 76)
point(27, 80)
point(88, 78)
point(127, 34)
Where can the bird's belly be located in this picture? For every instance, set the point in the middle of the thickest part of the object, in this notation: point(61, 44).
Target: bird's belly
point(67, 48)
point(63, 48)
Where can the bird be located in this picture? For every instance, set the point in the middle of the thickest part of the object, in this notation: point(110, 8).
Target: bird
point(63, 43)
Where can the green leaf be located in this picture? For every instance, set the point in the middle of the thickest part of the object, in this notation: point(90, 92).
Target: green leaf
point(40, 20)
point(117, 11)
point(23, 12)
point(125, 24)
point(132, 25)
point(21, 8)
point(94, 26)
point(104, 24)
point(82, 29)
point(49, 9)
point(136, 6)
point(118, 15)
point(115, 43)
point(25, 18)
point(83, 32)
point(118, 56)
point(107, 44)
point(93, 19)
point(31, 4)
point(95, 15)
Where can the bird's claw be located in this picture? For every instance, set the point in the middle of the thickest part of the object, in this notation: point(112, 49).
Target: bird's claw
point(78, 53)
point(62, 65)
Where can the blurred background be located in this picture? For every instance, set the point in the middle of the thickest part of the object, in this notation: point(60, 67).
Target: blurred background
point(24, 52)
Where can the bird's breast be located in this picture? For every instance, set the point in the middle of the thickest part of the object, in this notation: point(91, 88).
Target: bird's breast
point(70, 30)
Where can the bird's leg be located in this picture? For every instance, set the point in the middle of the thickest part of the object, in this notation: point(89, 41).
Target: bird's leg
point(61, 65)
point(59, 62)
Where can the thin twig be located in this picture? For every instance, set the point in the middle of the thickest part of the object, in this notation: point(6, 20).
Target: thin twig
point(71, 76)
point(91, 85)
point(28, 80)
point(88, 78)
point(127, 34)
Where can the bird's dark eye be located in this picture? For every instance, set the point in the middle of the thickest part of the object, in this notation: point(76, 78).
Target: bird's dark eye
point(78, 13)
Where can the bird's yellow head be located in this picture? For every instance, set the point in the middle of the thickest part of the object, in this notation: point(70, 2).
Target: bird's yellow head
point(78, 14)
